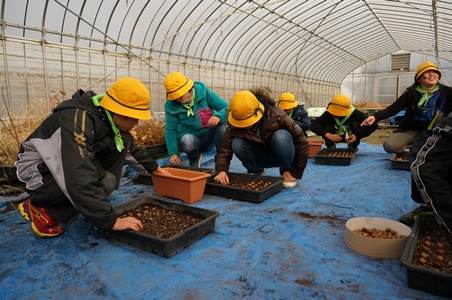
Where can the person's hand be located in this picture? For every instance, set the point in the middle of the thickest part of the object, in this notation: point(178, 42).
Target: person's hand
point(333, 137)
point(368, 121)
point(161, 171)
point(128, 223)
point(213, 121)
point(351, 139)
point(175, 159)
point(222, 178)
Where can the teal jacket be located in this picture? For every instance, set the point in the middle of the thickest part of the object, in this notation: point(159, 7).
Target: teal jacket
point(207, 104)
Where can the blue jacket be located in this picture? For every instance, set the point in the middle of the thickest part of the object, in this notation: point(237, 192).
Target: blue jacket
point(207, 104)
point(300, 116)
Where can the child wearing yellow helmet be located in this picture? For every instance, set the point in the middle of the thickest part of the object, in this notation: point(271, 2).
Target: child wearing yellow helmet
point(262, 136)
point(341, 123)
point(195, 118)
point(294, 110)
point(73, 161)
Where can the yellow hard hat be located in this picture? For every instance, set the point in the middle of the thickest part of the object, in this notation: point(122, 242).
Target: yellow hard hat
point(245, 109)
point(287, 101)
point(340, 106)
point(177, 85)
point(128, 97)
point(424, 67)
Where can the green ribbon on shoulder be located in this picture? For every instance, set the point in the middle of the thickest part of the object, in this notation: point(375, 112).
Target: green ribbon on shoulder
point(118, 138)
point(189, 107)
point(425, 95)
point(340, 123)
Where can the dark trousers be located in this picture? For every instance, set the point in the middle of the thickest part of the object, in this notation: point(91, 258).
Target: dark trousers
point(431, 169)
point(51, 197)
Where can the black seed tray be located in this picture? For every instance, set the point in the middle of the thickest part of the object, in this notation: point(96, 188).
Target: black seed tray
point(242, 194)
point(170, 246)
point(399, 164)
point(324, 157)
point(419, 278)
point(157, 150)
point(147, 178)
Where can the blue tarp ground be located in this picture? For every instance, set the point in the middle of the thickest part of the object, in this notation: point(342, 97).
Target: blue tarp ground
point(291, 246)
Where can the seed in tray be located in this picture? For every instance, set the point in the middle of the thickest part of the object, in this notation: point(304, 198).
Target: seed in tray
point(250, 185)
point(339, 154)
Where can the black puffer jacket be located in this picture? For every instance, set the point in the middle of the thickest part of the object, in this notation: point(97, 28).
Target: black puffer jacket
point(320, 125)
point(71, 144)
point(273, 119)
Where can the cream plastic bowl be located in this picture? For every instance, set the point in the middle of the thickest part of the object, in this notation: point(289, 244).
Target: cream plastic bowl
point(380, 248)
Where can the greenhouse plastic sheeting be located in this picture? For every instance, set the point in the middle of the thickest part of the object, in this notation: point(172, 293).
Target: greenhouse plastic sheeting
point(291, 246)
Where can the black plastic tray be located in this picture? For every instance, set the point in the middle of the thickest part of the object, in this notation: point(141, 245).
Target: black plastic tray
point(323, 157)
point(147, 178)
point(170, 246)
point(157, 151)
point(398, 164)
point(242, 194)
point(419, 278)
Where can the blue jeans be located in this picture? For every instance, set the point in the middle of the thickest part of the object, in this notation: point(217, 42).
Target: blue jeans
point(255, 157)
point(193, 145)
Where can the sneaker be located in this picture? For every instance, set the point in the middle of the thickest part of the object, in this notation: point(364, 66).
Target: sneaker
point(196, 163)
point(289, 184)
point(41, 222)
point(409, 218)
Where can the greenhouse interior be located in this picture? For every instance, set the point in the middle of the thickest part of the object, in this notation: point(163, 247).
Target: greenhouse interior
point(291, 246)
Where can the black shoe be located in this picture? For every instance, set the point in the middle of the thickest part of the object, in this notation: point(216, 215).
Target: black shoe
point(410, 218)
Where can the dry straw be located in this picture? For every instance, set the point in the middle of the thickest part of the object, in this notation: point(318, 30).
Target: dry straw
point(18, 126)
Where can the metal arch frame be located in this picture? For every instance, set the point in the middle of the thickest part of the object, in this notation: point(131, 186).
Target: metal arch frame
point(328, 47)
point(149, 28)
point(122, 23)
point(206, 36)
point(137, 20)
point(233, 41)
point(170, 38)
point(224, 37)
point(187, 34)
point(336, 48)
point(273, 28)
point(291, 63)
point(249, 55)
point(95, 20)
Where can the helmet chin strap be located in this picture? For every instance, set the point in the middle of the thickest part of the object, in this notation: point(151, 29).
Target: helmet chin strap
point(117, 138)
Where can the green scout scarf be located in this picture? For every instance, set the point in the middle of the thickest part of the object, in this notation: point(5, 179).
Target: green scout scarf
point(189, 107)
point(340, 123)
point(291, 112)
point(118, 139)
point(425, 95)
